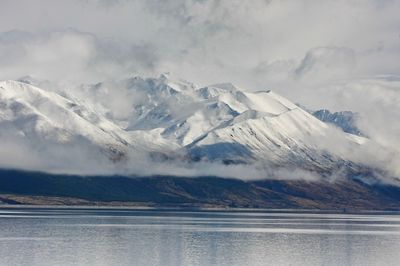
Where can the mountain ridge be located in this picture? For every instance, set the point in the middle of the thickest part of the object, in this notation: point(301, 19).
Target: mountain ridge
point(346, 120)
point(176, 119)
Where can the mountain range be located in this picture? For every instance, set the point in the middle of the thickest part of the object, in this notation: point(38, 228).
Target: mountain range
point(113, 127)
point(173, 119)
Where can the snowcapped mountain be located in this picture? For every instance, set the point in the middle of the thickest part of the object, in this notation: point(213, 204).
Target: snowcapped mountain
point(173, 118)
point(346, 120)
point(48, 123)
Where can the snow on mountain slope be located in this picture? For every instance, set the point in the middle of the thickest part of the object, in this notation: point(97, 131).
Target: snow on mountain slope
point(45, 117)
point(170, 116)
point(290, 139)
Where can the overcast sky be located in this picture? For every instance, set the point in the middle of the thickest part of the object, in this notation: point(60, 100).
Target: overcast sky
point(254, 44)
point(342, 54)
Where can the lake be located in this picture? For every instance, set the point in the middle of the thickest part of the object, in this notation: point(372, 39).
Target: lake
point(114, 236)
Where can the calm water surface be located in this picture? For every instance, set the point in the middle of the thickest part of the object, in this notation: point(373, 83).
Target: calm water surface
point(65, 236)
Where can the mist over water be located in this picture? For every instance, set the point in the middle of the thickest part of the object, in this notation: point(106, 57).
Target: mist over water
point(158, 237)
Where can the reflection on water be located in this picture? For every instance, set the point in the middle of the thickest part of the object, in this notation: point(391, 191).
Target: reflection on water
point(65, 236)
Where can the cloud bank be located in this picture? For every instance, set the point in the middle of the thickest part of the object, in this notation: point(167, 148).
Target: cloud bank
point(254, 44)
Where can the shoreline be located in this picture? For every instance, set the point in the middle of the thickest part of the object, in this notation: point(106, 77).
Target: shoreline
point(13, 201)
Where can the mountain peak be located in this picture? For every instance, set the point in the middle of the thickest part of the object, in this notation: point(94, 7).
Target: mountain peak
point(167, 116)
point(345, 120)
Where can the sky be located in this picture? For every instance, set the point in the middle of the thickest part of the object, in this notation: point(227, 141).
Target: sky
point(341, 55)
point(254, 44)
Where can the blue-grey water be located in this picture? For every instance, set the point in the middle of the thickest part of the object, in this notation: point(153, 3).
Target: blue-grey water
point(70, 236)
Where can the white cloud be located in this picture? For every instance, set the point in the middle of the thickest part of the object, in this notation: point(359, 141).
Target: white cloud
point(210, 41)
point(70, 56)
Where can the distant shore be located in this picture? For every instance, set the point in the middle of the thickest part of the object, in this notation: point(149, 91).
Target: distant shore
point(36, 188)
